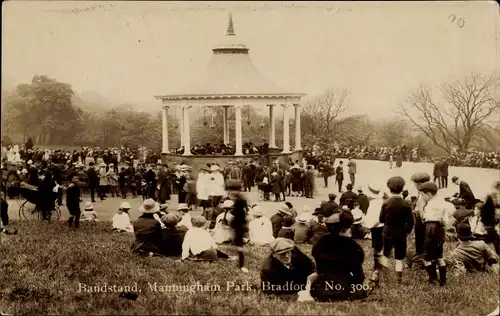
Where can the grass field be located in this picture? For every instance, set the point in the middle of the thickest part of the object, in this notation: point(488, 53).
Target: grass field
point(42, 266)
point(41, 269)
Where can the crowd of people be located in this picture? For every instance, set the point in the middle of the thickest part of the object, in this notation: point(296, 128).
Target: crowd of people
point(225, 150)
point(398, 155)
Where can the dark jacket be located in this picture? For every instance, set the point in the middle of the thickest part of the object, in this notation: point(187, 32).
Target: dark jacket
point(363, 202)
point(339, 260)
point(277, 222)
point(172, 241)
point(348, 198)
point(148, 234)
point(93, 178)
point(466, 194)
point(444, 169)
point(275, 273)
point(437, 169)
point(397, 217)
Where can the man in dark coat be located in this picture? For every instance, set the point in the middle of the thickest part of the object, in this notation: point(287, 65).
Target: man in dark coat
point(309, 182)
point(339, 175)
point(284, 272)
point(164, 184)
point(93, 181)
point(444, 173)
point(397, 217)
point(465, 192)
point(348, 198)
point(363, 201)
point(326, 170)
point(437, 173)
point(330, 207)
point(73, 198)
point(277, 219)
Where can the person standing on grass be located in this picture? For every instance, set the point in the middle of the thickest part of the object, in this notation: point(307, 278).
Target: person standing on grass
point(397, 217)
point(46, 195)
point(351, 165)
point(418, 208)
point(435, 218)
point(372, 222)
point(73, 199)
point(93, 181)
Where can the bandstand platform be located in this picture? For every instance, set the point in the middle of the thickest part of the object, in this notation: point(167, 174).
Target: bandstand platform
point(232, 81)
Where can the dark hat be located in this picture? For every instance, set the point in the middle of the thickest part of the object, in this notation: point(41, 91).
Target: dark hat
point(464, 231)
point(428, 187)
point(318, 211)
point(349, 186)
point(420, 177)
point(332, 196)
point(396, 184)
point(454, 178)
point(233, 185)
point(343, 219)
point(458, 202)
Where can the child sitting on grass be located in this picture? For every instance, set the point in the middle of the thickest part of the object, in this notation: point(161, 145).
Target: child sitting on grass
point(286, 231)
point(89, 214)
point(121, 220)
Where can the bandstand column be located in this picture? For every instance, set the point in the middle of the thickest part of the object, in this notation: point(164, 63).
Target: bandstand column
point(164, 125)
point(226, 125)
point(286, 130)
point(298, 145)
point(187, 133)
point(239, 147)
point(272, 129)
point(181, 125)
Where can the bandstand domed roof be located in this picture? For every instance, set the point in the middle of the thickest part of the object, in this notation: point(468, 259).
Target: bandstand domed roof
point(230, 73)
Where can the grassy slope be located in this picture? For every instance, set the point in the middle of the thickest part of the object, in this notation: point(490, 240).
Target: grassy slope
point(40, 269)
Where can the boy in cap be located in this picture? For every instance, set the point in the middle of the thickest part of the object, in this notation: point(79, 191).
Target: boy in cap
point(397, 217)
point(278, 218)
point(418, 208)
point(435, 216)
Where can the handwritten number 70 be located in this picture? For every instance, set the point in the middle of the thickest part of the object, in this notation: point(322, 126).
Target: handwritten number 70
point(460, 21)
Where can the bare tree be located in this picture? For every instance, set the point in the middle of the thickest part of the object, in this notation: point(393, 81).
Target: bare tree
point(466, 106)
point(320, 114)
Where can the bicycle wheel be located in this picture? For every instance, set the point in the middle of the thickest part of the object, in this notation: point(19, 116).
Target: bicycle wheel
point(28, 211)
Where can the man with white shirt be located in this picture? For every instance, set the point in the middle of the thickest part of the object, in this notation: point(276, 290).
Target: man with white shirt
point(371, 221)
point(217, 185)
point(198, 242)
point(435, 217)
point(260, 229)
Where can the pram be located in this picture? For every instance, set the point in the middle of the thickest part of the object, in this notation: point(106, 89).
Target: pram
point(29, 209)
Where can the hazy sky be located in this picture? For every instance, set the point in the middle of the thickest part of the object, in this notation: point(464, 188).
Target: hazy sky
point(130, 51)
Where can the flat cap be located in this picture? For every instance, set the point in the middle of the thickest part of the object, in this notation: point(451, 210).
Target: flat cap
point(344, 219)
point(420, 177)
point(284, 209)
point(280, 245)
point(396, 183)
point(332, 196)
point(454, 178)
point(170, 219)
point(428, 187)
point(198, 221)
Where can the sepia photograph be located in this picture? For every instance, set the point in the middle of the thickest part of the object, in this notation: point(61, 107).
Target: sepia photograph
point(250, 158)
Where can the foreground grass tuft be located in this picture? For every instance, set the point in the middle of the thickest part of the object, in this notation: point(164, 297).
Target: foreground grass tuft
point(41, 268)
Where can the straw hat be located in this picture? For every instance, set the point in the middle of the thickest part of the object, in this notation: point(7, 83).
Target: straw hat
point(125, 206)
point(228, 204)
point(284, 209)
point(303, 217)
point(214, 168)
point(257, 211)
point(182, 207)
point(149, 206)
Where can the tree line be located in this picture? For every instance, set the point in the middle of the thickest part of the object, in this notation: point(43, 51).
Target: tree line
point(458, 115)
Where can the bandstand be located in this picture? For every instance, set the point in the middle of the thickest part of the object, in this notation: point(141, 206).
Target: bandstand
point(231, 80)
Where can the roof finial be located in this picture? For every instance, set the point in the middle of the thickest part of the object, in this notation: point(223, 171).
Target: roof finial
point(230, 28)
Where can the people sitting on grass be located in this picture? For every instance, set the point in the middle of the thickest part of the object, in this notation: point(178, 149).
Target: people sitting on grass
point(302, 228)
point(223, 233)
point(121, 220)
point(339, 264)
point(147, 230)
point(358, 230)
point(172, 236)
point(284, 272)
point(471, 255)
point(318, 227)
point(286, 231)
point(184, 215)
point(198, 244)
point(89, 214)
point(277, 219)
point(260, 229)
